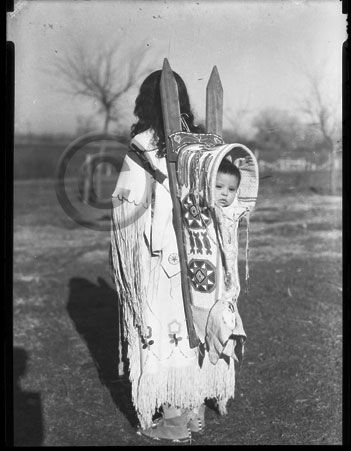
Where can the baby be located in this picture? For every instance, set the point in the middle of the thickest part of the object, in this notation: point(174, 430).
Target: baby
point(227, 183)
point(225, 335)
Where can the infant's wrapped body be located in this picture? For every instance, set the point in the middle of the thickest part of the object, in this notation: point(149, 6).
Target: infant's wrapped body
point(211, 237)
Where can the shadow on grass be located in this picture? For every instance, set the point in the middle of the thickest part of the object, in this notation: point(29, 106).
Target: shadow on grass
point(93, 309)
point(27, 412)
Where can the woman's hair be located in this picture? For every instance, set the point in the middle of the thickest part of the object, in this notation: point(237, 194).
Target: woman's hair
point(148, 109)
point(227, 167)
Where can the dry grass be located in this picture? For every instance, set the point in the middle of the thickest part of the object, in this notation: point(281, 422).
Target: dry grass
point(65, 330)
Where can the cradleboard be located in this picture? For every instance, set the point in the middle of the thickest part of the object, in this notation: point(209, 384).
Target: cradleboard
point(206, 235)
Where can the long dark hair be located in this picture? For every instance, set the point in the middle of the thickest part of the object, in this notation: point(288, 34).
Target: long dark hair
point(148, 109)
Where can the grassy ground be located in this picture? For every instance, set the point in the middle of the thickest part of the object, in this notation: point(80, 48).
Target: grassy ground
point(65, 329)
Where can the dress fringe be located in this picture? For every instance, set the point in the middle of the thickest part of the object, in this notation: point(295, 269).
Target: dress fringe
point(183, 387)
point(129, 263)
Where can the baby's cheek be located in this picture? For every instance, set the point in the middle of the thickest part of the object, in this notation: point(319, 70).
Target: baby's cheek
point(217, 193)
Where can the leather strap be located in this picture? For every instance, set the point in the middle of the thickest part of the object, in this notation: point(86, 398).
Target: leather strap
point(139, 157)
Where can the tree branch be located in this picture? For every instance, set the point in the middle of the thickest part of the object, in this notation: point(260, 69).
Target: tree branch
point(99, 76)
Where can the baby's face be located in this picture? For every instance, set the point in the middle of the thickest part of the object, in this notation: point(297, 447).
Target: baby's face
point(226, 188)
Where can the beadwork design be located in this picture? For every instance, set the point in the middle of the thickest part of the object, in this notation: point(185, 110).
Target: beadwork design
point(202, 274)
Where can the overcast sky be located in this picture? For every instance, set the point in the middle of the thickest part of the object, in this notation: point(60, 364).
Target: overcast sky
point(259, 48)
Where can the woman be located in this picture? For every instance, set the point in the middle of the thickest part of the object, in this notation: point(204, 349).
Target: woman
point(164, 371)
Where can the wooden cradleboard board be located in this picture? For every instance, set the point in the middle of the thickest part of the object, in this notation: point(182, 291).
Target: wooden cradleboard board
point(214, 104)
point(192, 164)
point(172, 124)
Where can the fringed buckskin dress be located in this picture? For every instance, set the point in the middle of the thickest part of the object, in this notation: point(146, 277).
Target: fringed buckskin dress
point(163, 369)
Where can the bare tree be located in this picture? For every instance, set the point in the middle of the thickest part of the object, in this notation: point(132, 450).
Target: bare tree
point(104, 76)
point(322, 114)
